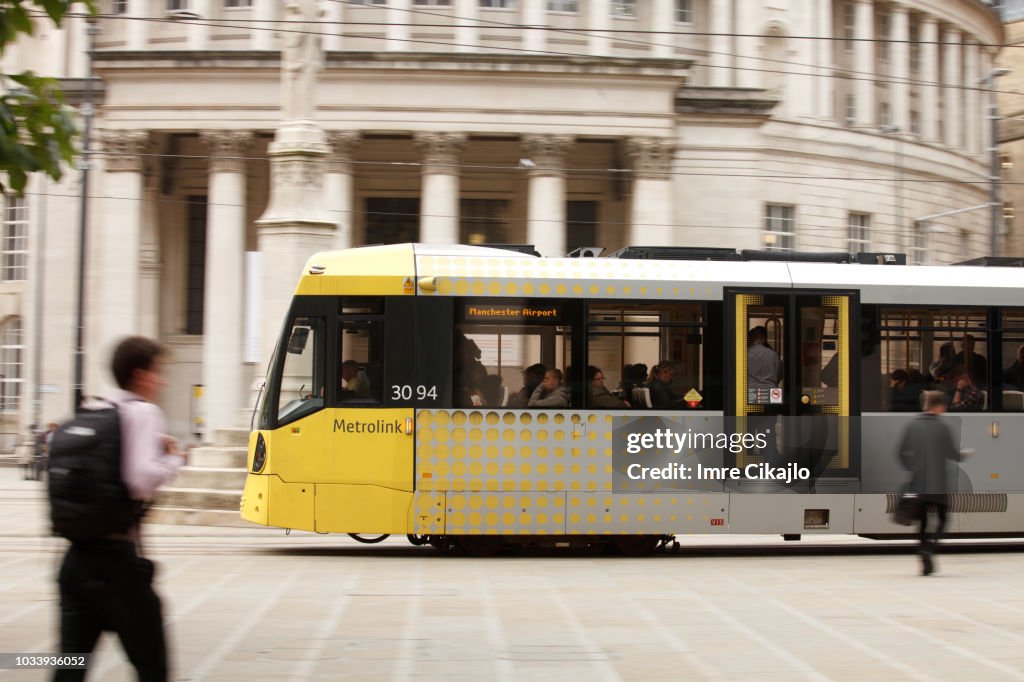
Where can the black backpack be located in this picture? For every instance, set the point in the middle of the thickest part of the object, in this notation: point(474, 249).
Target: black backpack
point(88, 497)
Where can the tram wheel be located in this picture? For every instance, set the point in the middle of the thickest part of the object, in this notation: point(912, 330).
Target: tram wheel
point(636, 545)
point(480, 545)
point(441, 543)
point(368, 539)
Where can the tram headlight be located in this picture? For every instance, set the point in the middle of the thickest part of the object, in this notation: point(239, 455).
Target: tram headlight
point(259, 455)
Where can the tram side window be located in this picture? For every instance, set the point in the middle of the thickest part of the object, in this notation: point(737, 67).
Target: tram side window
point(649, 355)
point(928, 348)
point(301, 383)
point(361, 342)
point(520, 363)
point(1012, 371)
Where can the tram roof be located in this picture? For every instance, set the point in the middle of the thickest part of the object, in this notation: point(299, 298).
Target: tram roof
point(463, 270)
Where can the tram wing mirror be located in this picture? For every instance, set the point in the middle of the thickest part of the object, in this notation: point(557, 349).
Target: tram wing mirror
point(297, 342)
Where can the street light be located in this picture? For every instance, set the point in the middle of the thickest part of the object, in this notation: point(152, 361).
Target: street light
point(995, 205)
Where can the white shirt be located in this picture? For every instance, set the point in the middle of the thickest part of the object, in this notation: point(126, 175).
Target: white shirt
point(145, 464)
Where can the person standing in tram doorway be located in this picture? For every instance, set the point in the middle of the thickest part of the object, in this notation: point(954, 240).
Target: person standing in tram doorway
point(926, 450)
point(764, 371)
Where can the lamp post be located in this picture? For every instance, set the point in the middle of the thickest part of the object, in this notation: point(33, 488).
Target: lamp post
point(995, 204)
point(83, 219)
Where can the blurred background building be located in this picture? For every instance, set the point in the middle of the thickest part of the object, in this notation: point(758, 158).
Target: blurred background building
point(791, 125)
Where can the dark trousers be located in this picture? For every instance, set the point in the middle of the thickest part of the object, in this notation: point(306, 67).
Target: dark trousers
point(108, 587)
point(929, 543)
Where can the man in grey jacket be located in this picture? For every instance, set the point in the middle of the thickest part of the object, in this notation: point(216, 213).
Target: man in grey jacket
point(551, 392)
point(926, 449)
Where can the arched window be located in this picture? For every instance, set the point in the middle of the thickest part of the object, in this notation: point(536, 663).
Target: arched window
point(11, 349)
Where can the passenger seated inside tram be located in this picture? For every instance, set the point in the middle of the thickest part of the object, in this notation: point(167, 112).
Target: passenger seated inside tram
point(966, 396)
point(598, 394)
point(941, 368)
point(532, 378)
point(551, 392)
point(633, 376)
point(660, 386)
point(903, 395)
point(354, 383)
point(1013, 376)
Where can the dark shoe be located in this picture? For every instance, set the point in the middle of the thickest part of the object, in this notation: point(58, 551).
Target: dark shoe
point(927, 565)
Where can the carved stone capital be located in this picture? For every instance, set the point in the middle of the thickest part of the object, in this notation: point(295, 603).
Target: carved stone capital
point(547, 152)
point(343, 143)
point(227, 149)
point(651, 156)
point(440, 151)
point(124, 150)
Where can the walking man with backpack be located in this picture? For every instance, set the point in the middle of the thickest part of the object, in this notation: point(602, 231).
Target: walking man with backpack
point(105, 465)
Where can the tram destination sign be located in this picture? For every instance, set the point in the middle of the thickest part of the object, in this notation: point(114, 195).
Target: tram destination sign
point(512, 312)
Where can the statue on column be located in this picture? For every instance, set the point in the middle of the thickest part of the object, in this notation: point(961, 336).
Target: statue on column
point(302, 56)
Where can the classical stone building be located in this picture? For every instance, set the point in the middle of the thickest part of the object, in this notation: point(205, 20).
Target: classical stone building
point(796, 124)
point(1011, 126)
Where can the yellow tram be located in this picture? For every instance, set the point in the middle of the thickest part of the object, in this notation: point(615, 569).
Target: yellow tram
point(394, 402)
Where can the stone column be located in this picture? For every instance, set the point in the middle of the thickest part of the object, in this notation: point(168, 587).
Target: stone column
point(223, 308)
point(651, 214)
point(748, 45)
point(199, 31)
point(952, 107)
point(599, 20)
point(264, 12)
point(439, 204)
point(972, 98)
point(661, 20)
point(115, 266)
point(534, 39)
point(137, 27)
point(338, 184)
point(899, 56)
point(864, 63)
point(467, 29)
point(826, 59)
point(545, 213)
point(398, 30)
point(929, 36)
point(720, 74)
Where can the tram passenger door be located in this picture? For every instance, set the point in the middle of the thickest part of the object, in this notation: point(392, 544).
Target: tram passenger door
point(792, 379)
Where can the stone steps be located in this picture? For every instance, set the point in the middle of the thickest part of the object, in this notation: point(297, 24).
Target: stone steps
point(213, 478)
point(180, 516)
point(218, 457)
point(198, 498)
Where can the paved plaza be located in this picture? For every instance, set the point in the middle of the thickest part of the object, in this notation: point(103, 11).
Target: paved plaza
point(254, 604)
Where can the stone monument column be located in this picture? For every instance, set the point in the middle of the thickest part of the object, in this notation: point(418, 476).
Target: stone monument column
point(296, 223)
point(651, 211)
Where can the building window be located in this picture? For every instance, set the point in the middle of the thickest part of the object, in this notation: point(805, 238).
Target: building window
point(1006, 162)
point(563, 6)
point(195, 278)
point(1008, 214)
point(884, 36)
point(177, 5)
point(684, 11)
point(918, 252)
point(238, 3)
point(624, 8)
point(483, 221)
point(119, 7)
point(392, 220)
point(10, 364)
point(433, 3)
point(849, 25)
point(779, 227)
point(915, 122)
point(850, 115)
point(915, 49)
point(498, 4)
point(859, 228)
point(884, 117)
point(14, 255)
point(368, 2)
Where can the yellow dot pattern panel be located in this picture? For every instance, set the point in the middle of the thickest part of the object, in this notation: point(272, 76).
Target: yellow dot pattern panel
point(536, 277)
